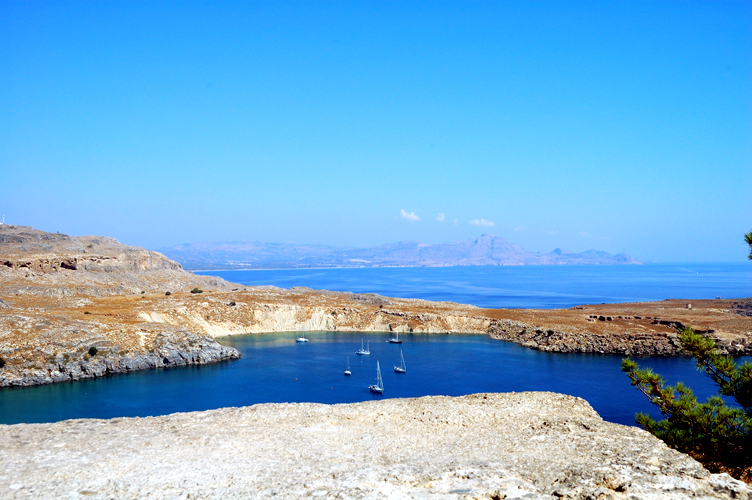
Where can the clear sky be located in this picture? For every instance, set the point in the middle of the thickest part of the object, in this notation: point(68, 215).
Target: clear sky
point(621, 126)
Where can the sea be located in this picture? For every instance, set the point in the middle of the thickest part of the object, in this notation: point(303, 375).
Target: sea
point(528, 287)
point(274, 368)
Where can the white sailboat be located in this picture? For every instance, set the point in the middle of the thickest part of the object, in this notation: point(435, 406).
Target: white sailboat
point(379, 385)
point(302, 338)
point(401, 368)
point(362, 351)
point(395, 340)
point(347, 371)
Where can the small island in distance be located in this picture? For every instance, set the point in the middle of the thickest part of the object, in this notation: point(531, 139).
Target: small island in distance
point(486, 250)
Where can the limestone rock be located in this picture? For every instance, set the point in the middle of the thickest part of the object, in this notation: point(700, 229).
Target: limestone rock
point(34, 262)
point(483, 446)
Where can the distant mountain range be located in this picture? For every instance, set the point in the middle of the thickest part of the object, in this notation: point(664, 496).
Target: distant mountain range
point(487, 250)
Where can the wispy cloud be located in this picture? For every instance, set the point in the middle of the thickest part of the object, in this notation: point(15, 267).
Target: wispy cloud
point(409, 216)
point(482, 222)
point(585, 234)
point(440, 217)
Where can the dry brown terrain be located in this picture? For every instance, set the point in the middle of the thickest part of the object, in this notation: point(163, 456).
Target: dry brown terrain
point(61, 295)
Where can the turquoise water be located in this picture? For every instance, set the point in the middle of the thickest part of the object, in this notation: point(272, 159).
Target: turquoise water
point(544, 287)
point(274, 368)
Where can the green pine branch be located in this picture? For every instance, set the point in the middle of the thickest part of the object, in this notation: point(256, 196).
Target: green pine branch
point(712, 431)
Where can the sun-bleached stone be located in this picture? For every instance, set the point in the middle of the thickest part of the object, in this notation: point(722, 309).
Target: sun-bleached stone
point(515, 445)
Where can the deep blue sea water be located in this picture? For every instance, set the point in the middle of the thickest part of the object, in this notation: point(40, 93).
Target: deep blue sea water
point(543, 287)
point(274, 368)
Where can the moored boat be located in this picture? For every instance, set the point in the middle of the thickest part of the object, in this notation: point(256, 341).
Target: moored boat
point(401, 368)
point(378, 387)
point(363, 351)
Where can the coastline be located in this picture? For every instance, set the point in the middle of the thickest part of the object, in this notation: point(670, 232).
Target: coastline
point(154, 331)
point(82, 307)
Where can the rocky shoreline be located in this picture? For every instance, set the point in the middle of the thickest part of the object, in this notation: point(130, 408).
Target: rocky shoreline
point(61, 296)
point(156, 331)
point(81, 307)
point(191, 350)
point(638, 345)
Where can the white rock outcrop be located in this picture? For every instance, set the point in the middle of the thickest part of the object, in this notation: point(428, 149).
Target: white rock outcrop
point(490, 446)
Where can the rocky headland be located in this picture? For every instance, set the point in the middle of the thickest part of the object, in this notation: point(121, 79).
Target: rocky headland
point(47, 280)
point(61, 296)
point(81, 307)
point(482, 446)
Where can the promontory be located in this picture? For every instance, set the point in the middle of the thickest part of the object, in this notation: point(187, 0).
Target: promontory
point(81, 307)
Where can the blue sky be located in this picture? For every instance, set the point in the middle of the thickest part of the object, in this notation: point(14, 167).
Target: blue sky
point(625, 127)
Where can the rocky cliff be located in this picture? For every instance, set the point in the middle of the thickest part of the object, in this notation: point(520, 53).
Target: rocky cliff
point(39, 263)
point(483, 446)
point(44, 339)
point(44, 276)
point(61, 296)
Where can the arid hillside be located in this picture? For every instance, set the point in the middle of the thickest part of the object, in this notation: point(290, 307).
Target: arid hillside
point(61, 296)
point(38, 263)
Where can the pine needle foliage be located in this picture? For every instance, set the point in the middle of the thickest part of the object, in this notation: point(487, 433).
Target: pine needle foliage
point(748, 239)
point(716, 433)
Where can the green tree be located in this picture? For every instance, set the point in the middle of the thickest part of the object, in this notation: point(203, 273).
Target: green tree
point(714, 432)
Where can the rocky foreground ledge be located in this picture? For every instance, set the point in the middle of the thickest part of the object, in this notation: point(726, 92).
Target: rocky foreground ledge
point(493, 446)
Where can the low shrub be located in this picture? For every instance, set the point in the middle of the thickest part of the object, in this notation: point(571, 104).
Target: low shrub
point(167, 293)
point(197, 290)
point(232, 303)
point(93, 351)
point(2, 361)
point(87, 312)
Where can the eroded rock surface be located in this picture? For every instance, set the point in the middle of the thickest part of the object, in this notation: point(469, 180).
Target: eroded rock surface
point(514, 445)
point(39, 263)
point(62, 295)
